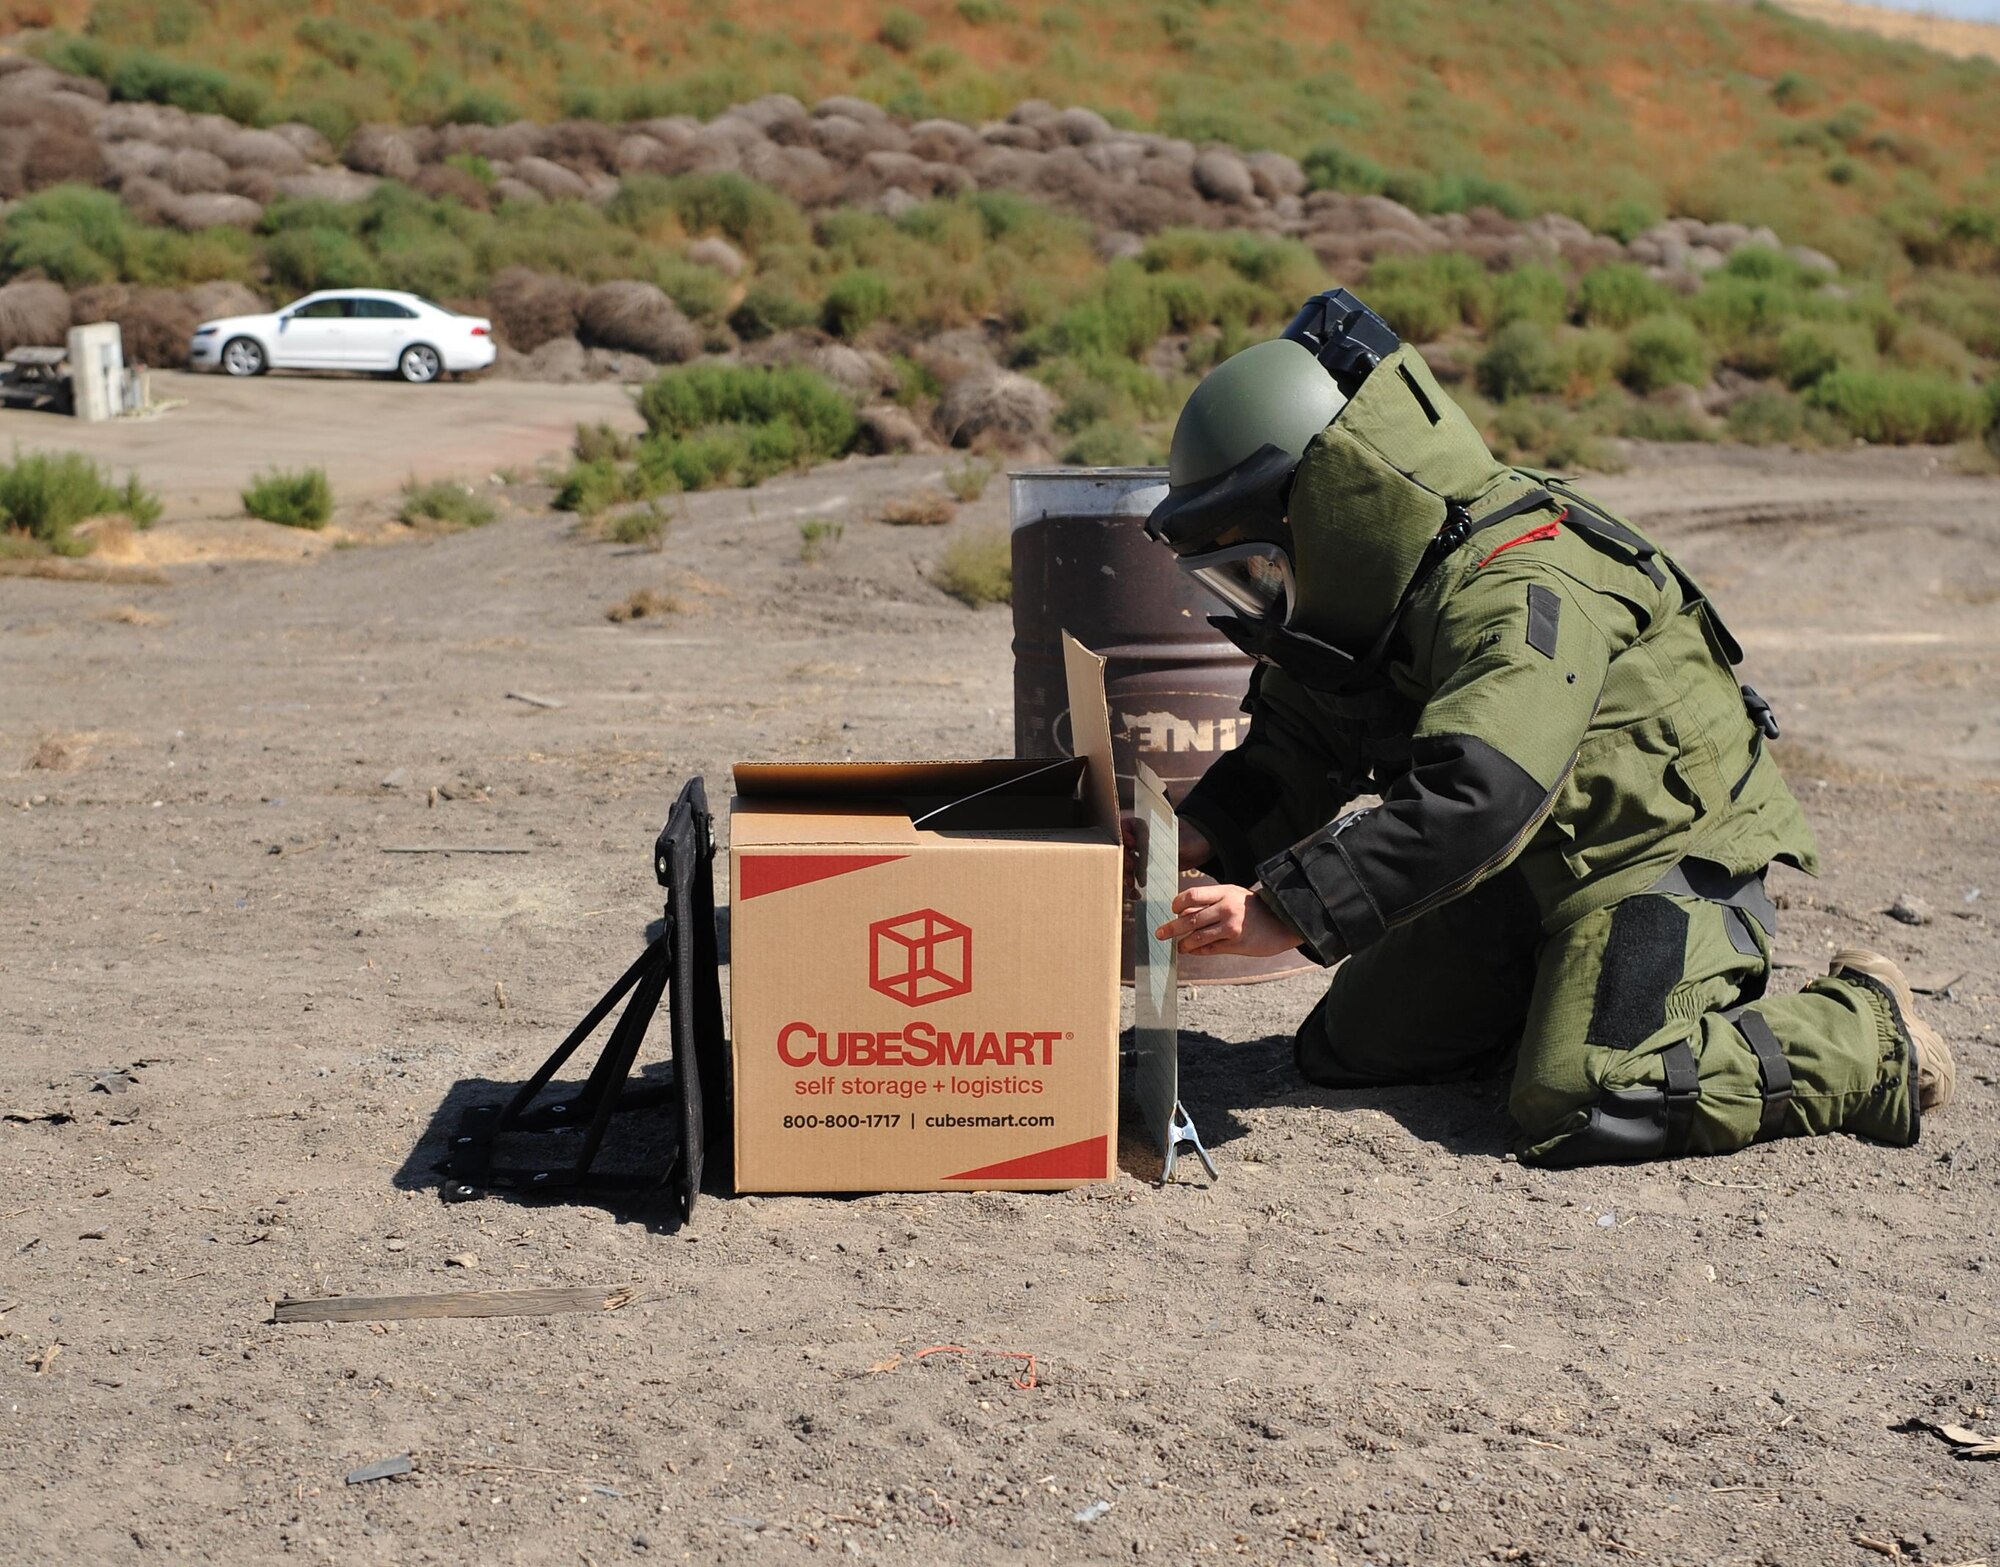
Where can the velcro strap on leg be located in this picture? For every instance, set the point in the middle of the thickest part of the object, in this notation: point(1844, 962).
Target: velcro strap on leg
point(1683, 1088)
point(1773, 1067)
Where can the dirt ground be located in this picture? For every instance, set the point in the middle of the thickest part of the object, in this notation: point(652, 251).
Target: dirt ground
point(370, 434)
point(234, 1031)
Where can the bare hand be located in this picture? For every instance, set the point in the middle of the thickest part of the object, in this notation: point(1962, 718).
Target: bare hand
point(1227, 921)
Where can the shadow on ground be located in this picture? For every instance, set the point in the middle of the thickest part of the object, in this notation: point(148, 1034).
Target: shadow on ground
point(1219, 1080)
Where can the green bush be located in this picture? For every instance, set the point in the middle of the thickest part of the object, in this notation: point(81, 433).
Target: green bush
point(1667, 420)
point(302, 499)
point(1533, 292)
point(977, 567)
point(754, 216)
point(593, 485)
point(1619, 294)
point(1107, 445)
point(1961, 303)
point(1664, 350)
point(682, 400)
point(900, 30)
point(1898, 407)
point(1545, 435)
point(1768, 417)
point(1812, 349)
point(304, 259)
point(77, 236)
point(446, 501)
point(767, 309)
point(1521, 360)
point(1432, 294)
point(1330, 166)
point(44, 495)
point(599, 442)
point(855, 302)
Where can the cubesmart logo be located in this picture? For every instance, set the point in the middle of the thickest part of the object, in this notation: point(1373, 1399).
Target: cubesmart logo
point(920, 957)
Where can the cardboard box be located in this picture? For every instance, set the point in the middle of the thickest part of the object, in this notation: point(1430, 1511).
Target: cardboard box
point(924, 968)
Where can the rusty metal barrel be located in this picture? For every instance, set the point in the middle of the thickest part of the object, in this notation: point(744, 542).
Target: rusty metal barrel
point(1083, 564)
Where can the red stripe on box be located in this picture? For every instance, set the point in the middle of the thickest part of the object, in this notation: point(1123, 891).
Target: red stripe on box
point(1088, 1160)
point(765, 873)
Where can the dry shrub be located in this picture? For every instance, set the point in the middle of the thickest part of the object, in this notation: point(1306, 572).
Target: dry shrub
point(996, 409)
point(644, 604)
point(532, 308)
point(132, 615)
point(507, 188)
point(583, 144)
point(550, 179)
point(212, 301)
point(134, 158)
point(56, 754)
point(213, 210)
point(244, 148)
point(155, 323)
point(887, 428)
point(336, 185)
point(42, 145)
point(639, 318)
point(714, 251)
point(925, 509)
point(191, 170)
point(520, 139)
point(847, 368)
point(34, 314)
point(156, 122)
point(310, 143)
point(446, 182)
point(387, 150)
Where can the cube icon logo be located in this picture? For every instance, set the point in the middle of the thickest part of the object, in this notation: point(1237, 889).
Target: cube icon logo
point(920, 957)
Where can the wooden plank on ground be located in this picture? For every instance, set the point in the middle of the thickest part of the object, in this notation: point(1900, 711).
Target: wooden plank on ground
point(455, 1303)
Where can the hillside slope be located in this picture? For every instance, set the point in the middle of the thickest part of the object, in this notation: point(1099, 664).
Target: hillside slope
point(1617, 112)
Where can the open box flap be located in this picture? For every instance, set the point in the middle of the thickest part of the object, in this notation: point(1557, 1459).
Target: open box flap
point(905, 802)
point(1090, 730)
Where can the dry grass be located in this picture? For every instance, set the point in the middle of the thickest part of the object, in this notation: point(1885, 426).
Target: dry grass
point(977, 567)
point(60, 568)
point(818, 539)
point(644, 604)
point(132, 615)
point(925, 509)
point(967, 482)
point(57, 754)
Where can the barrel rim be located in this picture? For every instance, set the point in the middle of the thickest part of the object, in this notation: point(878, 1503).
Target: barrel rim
point(1058, 471)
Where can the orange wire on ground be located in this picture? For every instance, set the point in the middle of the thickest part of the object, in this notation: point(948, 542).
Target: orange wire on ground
point(1012, 1354)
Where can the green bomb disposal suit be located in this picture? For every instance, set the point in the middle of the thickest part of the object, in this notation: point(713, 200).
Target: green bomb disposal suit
point(1576, 812)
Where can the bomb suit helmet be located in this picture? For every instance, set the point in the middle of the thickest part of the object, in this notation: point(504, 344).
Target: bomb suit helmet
point(1235, 447)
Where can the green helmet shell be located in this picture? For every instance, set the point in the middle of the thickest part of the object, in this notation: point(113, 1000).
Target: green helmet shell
point(1270, 394)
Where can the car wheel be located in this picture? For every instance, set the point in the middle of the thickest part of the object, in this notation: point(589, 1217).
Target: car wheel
point(420, 363)
point(243, 356)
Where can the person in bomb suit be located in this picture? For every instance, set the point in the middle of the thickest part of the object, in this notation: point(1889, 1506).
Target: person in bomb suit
point(1577, 800)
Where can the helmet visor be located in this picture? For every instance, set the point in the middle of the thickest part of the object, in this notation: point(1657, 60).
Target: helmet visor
point(1254, 580)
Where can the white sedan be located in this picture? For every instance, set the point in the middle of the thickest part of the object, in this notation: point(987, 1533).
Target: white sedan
point(348, 329)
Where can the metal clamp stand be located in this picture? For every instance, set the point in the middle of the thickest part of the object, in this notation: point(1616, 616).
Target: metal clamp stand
point(681, 964)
